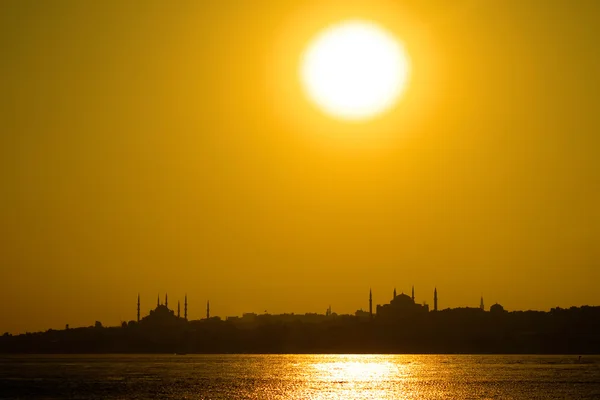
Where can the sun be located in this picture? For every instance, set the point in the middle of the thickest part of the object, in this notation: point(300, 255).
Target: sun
point(354, 70)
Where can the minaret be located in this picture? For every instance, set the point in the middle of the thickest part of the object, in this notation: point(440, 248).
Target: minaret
point(138, 309)
point(413, 293)
point(185, 308)
point(158, 300)
point(178, 309)
point(207, 309)
point(370, 304)
point(166, 300)
point(435, 308)
point(481, 306)
point(394, 293)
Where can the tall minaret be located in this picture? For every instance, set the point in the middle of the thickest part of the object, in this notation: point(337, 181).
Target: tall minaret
point(413, 293)
point(138, 309)
point(435, 308)
point(178, 309)
point(185, 308)
point(166, 300)
point(394, 293)
point(207, 309)
point(158, 300)
point(370, 304)
point(481, 306)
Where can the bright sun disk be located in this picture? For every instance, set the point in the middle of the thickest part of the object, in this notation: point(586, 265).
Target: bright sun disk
point(354, 70)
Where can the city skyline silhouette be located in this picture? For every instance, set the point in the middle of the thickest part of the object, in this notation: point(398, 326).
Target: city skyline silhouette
point(402, 325)
point(398, 307)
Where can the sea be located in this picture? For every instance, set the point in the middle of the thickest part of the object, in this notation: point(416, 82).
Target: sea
point(299, 377)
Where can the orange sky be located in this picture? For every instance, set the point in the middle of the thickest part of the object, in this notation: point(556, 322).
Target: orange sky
point(155, 146)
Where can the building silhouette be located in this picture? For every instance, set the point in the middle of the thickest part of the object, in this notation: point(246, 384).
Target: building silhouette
point(497, 309)
point(162, 316)
point(370, 304)
point(401, 305)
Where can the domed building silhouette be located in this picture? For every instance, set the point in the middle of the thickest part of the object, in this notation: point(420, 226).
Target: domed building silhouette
point(497, 309)
point(162, 316)
point(401, 305)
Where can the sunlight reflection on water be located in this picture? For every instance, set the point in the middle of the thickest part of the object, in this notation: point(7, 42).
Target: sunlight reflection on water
point(358, 376)
point(361, 376)
point(299, 377)
point(353, 368)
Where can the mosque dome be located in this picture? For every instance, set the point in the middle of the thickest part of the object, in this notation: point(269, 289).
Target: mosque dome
point(402, 300)
point(496, 308)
